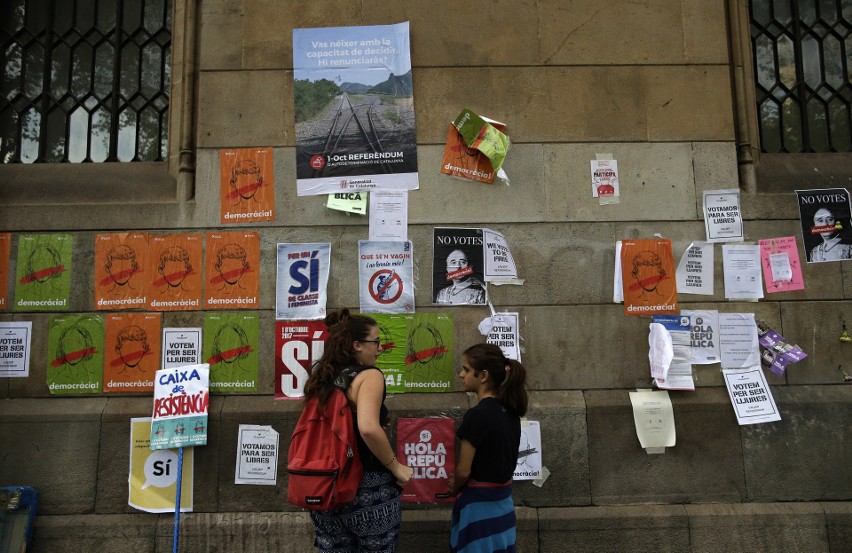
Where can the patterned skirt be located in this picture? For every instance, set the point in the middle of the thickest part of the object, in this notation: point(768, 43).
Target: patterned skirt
point(370, 523)
point(484, 519)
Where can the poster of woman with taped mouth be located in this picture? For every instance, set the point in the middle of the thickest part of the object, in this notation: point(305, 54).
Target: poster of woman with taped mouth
point(826, 218)
point(457, 267)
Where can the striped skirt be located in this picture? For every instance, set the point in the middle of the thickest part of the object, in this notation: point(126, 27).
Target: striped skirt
point(484, 519)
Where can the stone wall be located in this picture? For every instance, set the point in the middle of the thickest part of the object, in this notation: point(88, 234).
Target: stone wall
point(648, 82)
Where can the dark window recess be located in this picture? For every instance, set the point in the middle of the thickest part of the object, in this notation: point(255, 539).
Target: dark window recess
point(84, 80)
point(802, 54)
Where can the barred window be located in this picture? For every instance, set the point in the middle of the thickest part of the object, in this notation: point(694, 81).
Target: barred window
point(802, 54)
point(84, 80)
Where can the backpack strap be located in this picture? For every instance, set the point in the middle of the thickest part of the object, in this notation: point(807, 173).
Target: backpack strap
point(347, 375)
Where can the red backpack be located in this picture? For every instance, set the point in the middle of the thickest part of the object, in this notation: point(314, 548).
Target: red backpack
point(322, 463)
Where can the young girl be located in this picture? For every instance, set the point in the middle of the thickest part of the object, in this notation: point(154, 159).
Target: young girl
point(484, 513)
point(372, 521)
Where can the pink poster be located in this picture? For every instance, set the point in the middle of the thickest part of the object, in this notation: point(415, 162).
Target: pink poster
point(782, 270)
point(427, 446)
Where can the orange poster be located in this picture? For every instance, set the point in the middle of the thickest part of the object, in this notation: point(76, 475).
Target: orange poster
point(121, 264)
point(5, 248)
point(246, 189)
point(648, 277)
point(175, 272)
point(231, 270)
point(131, 351)
point(462, 161)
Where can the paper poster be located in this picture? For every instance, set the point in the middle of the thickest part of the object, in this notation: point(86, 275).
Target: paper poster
point(738, 341)
point(458, 267)
point(460, 160)
point(230, 348)
point(232, 270)
point(43, 273)
point(529, 451)
point(153, 473)
point(501, 329)
point(181, 401)
point(257, 455)
point(704, 336)
point(654, 419)
point(782, 270)
point(723, 220)
point(176, 265)
point(131, 351)
point(5, 249)
point(695, 270)
point(354, 107)
point(350, 202)
point(15, 346)
point(389, 215)
point(180, 347)
point(499, 264)
point(121, 267)
point(386, 277)
point(479, 134)
point(750, 395)
point(428, 447)
point(246, 185)
point(417, 352)
point(670, 353)
point(301, 281)
point(75, 354)
point(647, 274)
point(826, 217)
point(299, 345)
point(605, 178)
point(617, 285)
point(742, 272)
point(778, 352)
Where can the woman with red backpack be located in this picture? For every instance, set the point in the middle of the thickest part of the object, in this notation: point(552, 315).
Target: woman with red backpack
point(372, 521)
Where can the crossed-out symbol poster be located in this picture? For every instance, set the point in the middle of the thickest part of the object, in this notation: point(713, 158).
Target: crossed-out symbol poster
point(386, 277)
point(121, 271)
point(230, 342)
point(75, 354)
point(417, 352)
point(43, 273)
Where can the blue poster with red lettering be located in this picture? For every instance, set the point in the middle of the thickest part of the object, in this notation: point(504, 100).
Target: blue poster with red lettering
point(301, 281)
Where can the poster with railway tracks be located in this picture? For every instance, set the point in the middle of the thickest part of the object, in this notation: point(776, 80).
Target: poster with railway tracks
point(354, 109)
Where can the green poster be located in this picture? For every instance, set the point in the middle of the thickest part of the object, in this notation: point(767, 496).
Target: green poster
point(43, 274)
point(230, 347)
point(75, 354)
point(417, 355)
point(483, 136)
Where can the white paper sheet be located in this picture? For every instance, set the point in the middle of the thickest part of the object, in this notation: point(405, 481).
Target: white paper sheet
point(722, 218)
point(743, 278)
point(695, 270)
point(750, 396)
point(389, 215)
point(738, 340)
point(654, 419)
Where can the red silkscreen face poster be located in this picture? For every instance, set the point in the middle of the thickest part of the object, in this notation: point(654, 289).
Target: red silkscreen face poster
point(231, 270)
point(648, 277)
point(299, 344)
point(121, 264)
point(428, 447)
point(246, 187)
point(131, 351)
point(175, 272)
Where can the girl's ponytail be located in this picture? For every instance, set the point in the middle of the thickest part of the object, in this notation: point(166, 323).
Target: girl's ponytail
point(509, 376)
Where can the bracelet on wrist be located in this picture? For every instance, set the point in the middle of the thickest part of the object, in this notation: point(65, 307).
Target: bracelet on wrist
point(389, 463)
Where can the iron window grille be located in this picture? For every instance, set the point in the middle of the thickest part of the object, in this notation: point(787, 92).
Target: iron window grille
point(802, 53)
point(84, 80)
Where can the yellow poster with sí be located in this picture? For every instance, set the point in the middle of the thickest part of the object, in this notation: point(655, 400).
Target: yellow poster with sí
point(153, 474)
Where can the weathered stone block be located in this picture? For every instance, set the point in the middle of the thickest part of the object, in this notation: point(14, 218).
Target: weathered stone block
point(605, 529)
point(48, 445)
point(704, 466)
point(785, 527)
point(228, 532)
point(87, 533)
point(816, 327)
